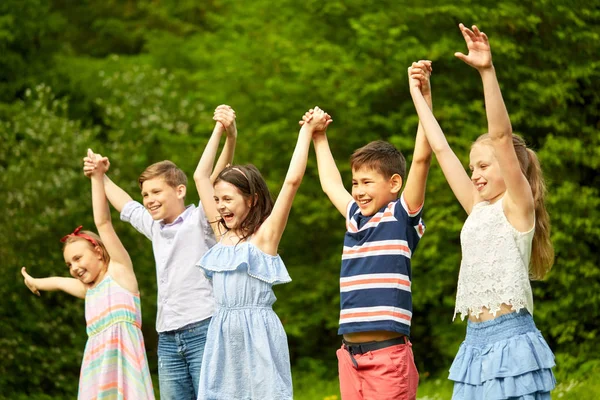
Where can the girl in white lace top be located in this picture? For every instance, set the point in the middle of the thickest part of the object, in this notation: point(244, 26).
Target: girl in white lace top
point(505, 242)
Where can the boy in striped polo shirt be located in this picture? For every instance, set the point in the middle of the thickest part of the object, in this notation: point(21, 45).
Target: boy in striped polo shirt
point(383, 230)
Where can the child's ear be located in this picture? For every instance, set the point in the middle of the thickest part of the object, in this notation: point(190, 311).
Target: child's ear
point(99, 252)
point(251, 202)
point(395, 183)
point(181, 191)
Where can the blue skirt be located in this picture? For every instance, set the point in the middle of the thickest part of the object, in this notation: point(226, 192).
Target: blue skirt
point(504, 358)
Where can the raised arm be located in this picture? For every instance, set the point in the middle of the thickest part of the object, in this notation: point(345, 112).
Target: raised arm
point(414, 191)
point(120, 267)
point(202, 175)
point(226, 115)
point(116, 196)
point(499, 126)
point(329, 175)
point(72, 286)
point(269, 234)
point(455, 174)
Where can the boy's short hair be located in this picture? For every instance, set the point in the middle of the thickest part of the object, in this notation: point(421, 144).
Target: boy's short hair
point(167, 170)
point(380, 156)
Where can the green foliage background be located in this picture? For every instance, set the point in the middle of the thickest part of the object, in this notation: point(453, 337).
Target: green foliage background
point(138, 81)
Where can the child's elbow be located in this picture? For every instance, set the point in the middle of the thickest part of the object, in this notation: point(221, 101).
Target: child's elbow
point(423, 160)
point(293, 181)
point(201, 178)
point(501, 135)
point(102, 222)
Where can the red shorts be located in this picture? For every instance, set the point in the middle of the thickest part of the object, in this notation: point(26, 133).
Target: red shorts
point(383, 374)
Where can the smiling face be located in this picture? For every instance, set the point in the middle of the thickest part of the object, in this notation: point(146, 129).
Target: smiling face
point(231, 204)
point(163, 201)
point(84, 261)
point(485, 173)
point(372, 191)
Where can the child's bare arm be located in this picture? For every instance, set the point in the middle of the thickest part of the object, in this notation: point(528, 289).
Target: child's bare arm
point(499, 126)
point(116, 196)
point(121, 267)
point(72, 286)
point(414, 190)
point(226, 115)
point(202, 175)
point(329, 175)
point(455, 174)
point(272, 230)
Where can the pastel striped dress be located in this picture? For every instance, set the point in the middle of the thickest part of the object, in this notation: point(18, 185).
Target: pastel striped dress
point(114, 362)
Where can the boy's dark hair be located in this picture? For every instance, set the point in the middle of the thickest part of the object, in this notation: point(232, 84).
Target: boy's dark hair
point(167, 170)
point(380, 156)
point(249, 181)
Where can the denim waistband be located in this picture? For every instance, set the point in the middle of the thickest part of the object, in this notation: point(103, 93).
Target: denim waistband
point(188, 327)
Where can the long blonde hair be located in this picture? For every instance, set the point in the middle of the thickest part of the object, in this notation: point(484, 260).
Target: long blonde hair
point(542, 252)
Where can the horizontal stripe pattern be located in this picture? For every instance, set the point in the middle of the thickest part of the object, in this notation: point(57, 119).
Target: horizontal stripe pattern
point(386, 215)
point(377, 248)
point(378, 313)
point(375, 281)
point(114, 364)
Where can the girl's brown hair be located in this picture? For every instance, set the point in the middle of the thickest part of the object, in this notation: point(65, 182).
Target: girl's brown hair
point(249, 181)
point(542, 253)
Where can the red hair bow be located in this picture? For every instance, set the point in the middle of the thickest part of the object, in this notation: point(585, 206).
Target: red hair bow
point(81, 235)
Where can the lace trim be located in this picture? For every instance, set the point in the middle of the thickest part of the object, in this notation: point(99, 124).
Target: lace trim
point(492, 271)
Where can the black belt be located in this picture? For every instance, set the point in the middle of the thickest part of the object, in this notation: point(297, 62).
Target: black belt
point(362, 348)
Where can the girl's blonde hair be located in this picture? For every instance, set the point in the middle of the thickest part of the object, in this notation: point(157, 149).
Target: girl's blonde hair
point(81, 235)
point(542, 253)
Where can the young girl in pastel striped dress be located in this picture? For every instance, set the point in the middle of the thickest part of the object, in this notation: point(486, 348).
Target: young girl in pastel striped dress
point(114, 362)
point(505, 243)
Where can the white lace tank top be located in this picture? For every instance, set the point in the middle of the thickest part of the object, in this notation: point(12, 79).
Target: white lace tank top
point(495, 263)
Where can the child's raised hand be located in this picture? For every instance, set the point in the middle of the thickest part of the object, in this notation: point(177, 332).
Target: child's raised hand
point(29, 282)
point(308, 118)
point(95, 164)
point(419, 75)
point(226, 116)
point(320, 120)
point(480, 54)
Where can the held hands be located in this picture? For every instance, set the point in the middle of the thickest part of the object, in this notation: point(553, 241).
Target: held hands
point(317, 120)
point(226, 116)
point(30, 282)
point(94, 164)
point(480, 54)
point(419, 75)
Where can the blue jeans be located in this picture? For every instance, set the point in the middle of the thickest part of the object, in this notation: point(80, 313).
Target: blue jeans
point(179, 361)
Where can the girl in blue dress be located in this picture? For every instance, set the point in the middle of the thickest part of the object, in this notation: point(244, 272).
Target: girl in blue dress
point(246, 354)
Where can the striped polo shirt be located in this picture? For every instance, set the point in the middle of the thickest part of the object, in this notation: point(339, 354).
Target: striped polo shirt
point(375, 279)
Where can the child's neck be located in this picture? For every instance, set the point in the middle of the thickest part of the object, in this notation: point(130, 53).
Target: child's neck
point(99, 278)
point(234, 237)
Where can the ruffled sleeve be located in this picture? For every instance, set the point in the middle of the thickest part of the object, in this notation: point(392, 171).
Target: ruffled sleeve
point(259, 265)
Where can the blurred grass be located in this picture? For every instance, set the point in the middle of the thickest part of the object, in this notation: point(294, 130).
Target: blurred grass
point(309, 386)
point(312, 386)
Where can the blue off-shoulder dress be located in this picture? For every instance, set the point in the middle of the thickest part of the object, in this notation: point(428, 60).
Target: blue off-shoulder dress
point(246, 354)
